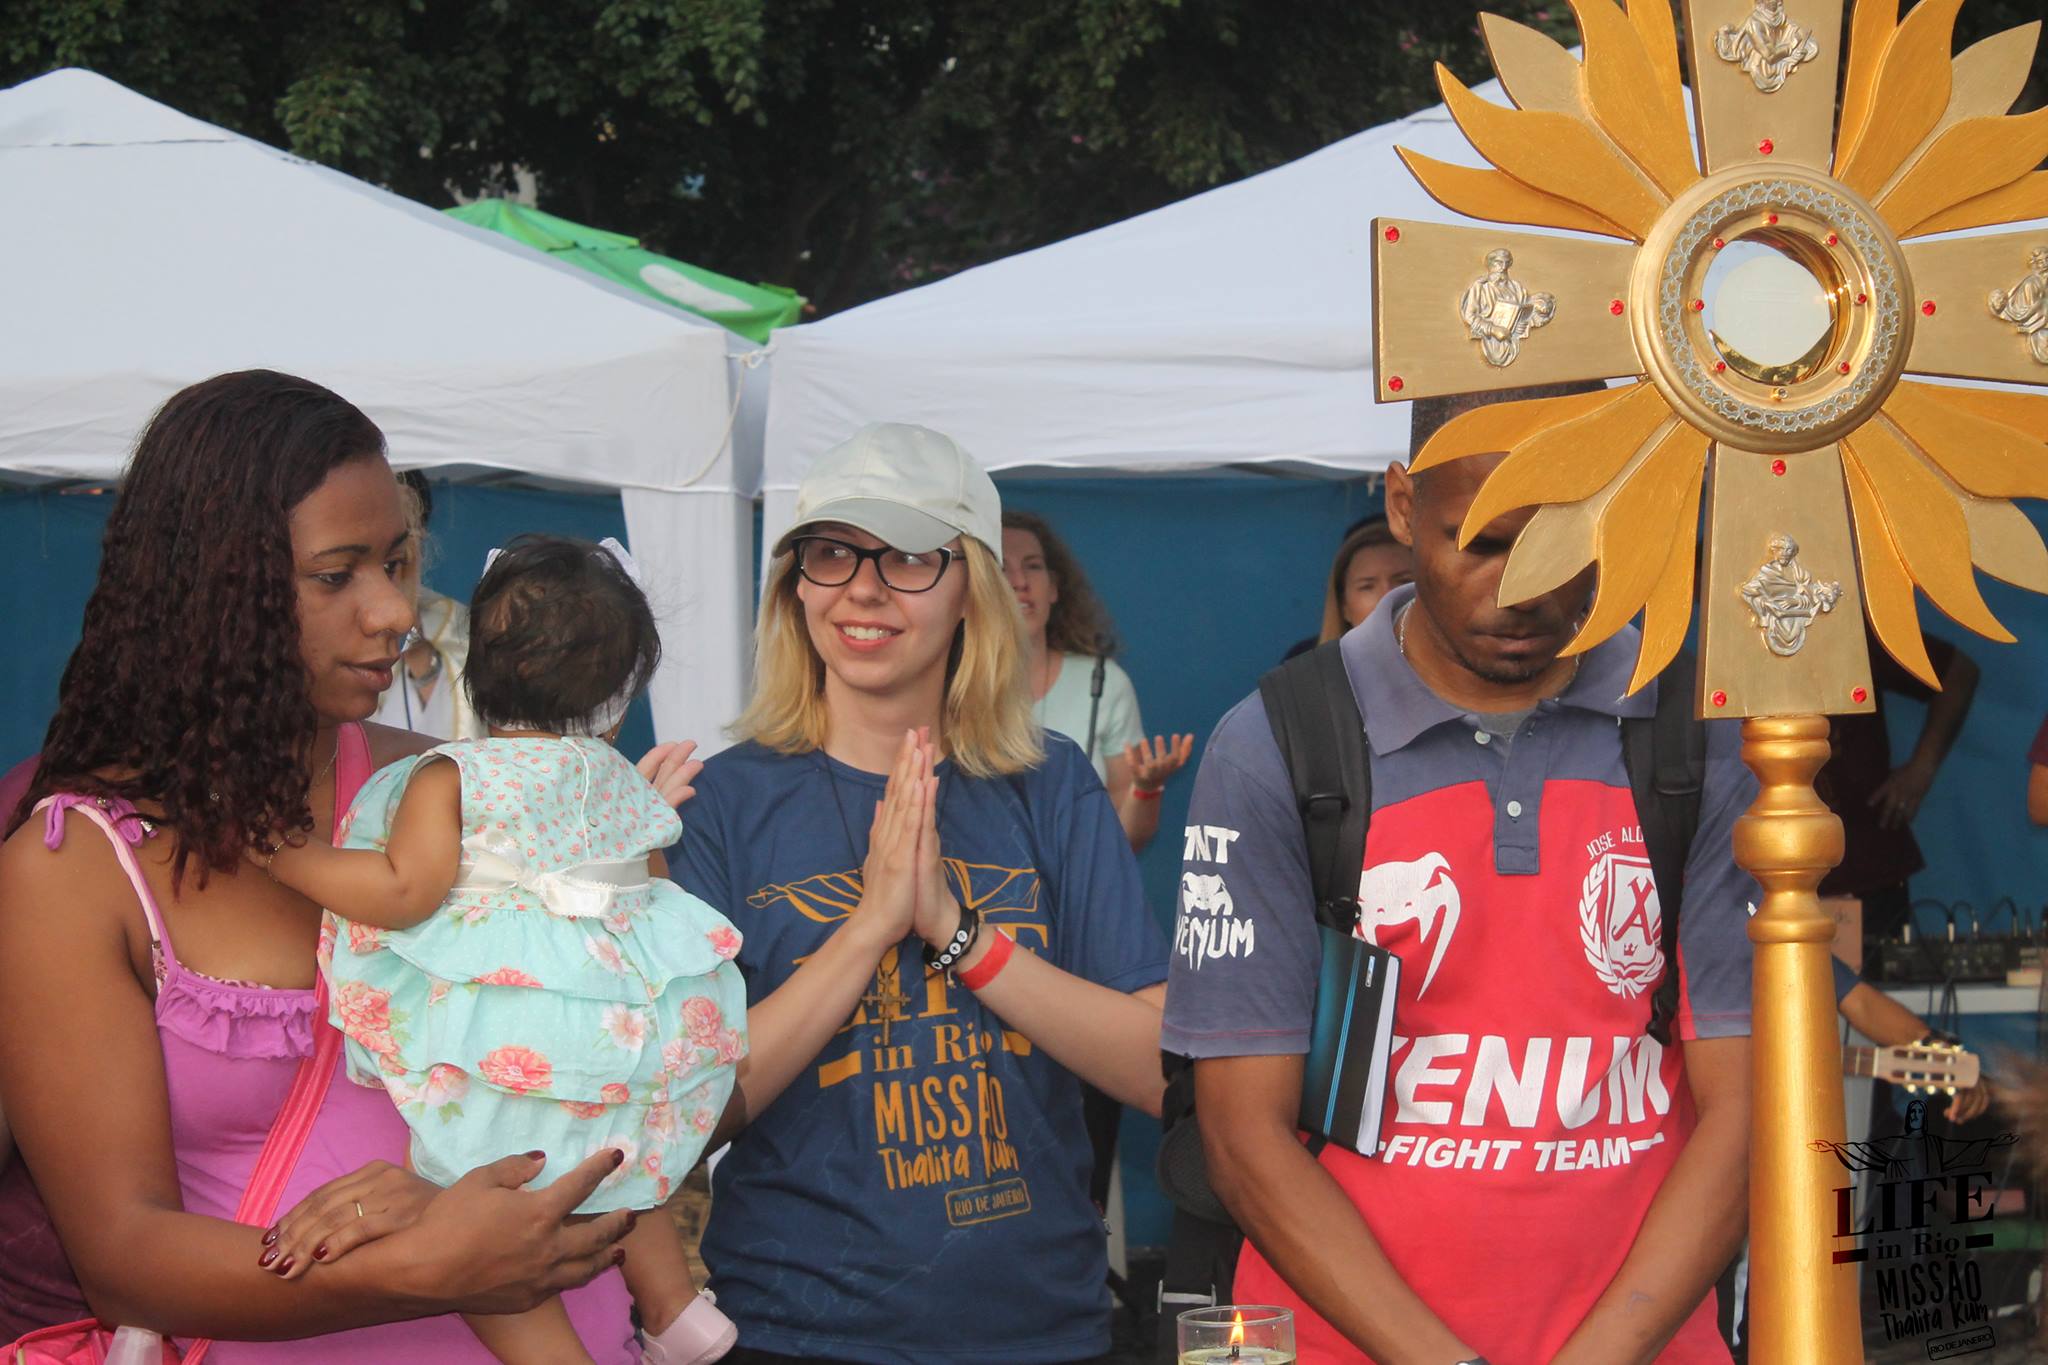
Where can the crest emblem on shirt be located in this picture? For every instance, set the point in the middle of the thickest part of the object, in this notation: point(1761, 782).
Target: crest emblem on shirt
point(1621, 924)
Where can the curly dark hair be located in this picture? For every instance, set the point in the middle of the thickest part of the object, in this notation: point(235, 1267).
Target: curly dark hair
point(188, 690)
point(1078, 623)
point(556, 630)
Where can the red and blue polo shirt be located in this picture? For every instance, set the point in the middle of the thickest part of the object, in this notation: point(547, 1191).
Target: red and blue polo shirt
point(1531, 1119)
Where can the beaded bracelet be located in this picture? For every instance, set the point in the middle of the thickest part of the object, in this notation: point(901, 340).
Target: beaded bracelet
point(942, 959)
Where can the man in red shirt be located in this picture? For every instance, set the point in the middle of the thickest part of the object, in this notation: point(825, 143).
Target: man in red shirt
point(1555, 1185)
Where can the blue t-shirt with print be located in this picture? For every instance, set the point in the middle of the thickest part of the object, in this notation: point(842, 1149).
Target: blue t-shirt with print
point(920, 1192)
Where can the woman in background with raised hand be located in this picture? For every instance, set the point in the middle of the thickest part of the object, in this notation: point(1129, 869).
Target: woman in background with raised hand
point(920, 1193)
point(1076, 687)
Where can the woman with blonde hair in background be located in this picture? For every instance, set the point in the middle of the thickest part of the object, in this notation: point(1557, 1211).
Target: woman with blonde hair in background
point(973, 939)
point(1369, 564)
point(1076, 685)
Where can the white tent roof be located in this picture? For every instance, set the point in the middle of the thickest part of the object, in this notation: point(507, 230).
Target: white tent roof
point(143, 250)
point(1232, 327)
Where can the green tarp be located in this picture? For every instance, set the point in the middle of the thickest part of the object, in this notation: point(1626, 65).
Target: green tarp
point(752, 310)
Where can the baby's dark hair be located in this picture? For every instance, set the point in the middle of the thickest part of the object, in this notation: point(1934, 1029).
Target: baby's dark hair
point(556, 630)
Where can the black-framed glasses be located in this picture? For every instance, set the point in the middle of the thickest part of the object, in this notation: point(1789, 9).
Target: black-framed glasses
point(833, 563)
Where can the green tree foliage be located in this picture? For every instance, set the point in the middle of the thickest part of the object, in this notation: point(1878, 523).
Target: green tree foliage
point(847, 147)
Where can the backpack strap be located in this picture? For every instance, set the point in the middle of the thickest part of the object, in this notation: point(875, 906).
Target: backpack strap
point(1321, 737)
point(1094, 703)
point(1666, 758)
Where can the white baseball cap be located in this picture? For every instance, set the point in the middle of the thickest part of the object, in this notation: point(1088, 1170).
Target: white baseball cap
point(909, 486)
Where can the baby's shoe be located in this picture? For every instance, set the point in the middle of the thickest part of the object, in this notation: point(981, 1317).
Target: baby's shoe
point(699, 1335)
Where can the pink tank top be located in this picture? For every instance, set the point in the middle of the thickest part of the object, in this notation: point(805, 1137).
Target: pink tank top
point(230, 1053)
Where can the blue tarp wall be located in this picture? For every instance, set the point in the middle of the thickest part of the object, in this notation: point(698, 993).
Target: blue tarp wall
point(1209, 579)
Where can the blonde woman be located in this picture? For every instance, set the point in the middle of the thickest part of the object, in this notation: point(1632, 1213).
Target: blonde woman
point(919, 1193)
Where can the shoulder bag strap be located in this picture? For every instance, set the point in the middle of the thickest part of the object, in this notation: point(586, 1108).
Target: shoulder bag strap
point(1666, 758)
point(1322, 740)
point(1094, 703)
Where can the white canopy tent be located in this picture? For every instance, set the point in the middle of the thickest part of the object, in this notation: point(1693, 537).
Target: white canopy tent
point(1231, 328)
point(145, 250)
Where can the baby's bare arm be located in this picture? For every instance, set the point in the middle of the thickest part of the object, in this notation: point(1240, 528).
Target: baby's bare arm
point(402, 885)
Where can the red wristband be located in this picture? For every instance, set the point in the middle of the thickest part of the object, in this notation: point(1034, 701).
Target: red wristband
point(1144, 795)
point(1000, 946)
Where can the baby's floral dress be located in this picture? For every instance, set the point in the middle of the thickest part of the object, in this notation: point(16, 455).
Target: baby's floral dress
point(559, 999)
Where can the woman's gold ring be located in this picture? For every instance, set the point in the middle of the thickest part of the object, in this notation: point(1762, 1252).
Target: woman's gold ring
point(359, 1208)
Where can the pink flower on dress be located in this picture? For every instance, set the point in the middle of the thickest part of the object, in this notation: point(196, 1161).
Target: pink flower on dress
point(437, 992)
point(362, 1008)
point(702, 1019)
point(445, 1085)
point(507, 976)
point(381, 1043)
point(725, 941)
point(606, 954)
point(617, 922)
point(518, 1069)
point(476, 914)
point(703, 1120)
point(626, 1026)
point(730, 1046)
point(660, 1123)
point(584, 1111)
point(400, 1090)
point(675, 1055)
point(615, 1093)
point(390, 1063)
point(364, 938)
point(661, 1190)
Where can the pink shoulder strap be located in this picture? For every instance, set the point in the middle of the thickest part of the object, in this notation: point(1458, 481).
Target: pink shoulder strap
point(124, 830)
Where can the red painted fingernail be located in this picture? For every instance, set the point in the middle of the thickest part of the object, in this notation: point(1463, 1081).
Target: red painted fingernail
point(618, 1255)
point(536, 1156)
point(320, 1252)
point(632, 1219)
point(284, 1267)
point(618, 1157)
point(267, 1257)
point(270, 1237)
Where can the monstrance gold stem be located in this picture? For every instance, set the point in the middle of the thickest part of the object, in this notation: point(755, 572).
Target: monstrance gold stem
point(1803, 1308)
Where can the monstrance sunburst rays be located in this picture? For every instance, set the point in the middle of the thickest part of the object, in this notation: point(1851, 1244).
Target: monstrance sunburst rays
point(1887, 473)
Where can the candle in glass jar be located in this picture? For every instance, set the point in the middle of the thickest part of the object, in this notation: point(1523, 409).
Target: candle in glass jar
point(1236, 1335)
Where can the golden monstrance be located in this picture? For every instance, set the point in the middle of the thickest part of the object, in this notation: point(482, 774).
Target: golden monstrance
point(1766, 298)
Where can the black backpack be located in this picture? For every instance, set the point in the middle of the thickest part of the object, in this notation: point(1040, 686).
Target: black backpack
point(1322, 740)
